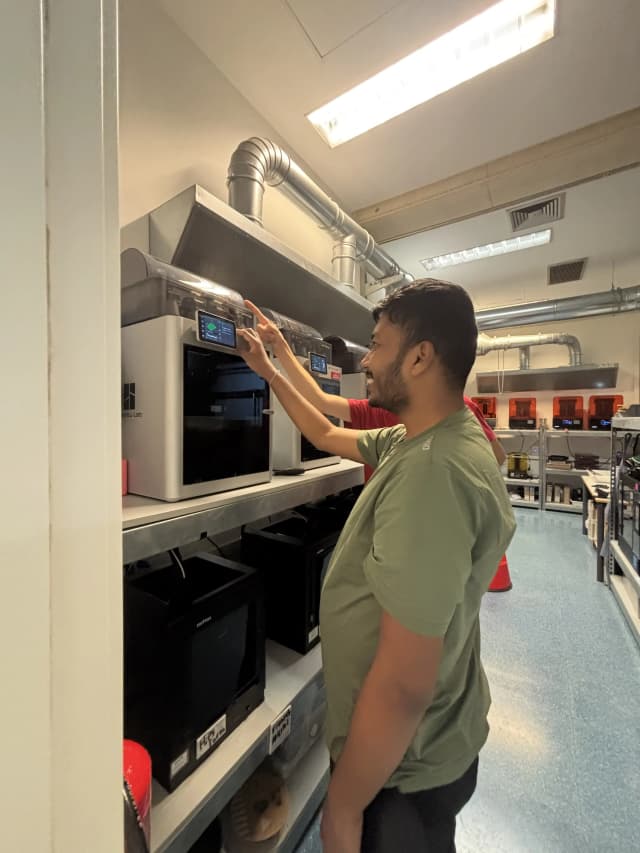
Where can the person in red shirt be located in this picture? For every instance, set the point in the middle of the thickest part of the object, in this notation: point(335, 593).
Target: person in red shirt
point(363, 416)
point(357, 414)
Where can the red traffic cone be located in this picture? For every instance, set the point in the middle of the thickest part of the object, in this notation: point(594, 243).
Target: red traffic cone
point(502, 579)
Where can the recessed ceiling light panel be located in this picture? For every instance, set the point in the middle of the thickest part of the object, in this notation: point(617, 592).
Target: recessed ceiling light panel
point(490, 250)
point(496, 35)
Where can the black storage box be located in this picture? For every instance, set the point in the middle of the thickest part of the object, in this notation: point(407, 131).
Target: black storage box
point(194, 659)
point(293, 554)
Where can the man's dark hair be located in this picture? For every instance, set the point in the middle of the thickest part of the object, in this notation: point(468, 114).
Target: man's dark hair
point(439, 312)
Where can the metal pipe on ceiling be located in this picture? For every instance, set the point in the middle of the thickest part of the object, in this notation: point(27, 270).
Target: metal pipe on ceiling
point(344, 259)
point(614, 301)
point(257, 162)
point(486, 344)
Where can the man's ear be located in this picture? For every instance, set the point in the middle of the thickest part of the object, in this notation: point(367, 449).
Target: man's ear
point(422, 357)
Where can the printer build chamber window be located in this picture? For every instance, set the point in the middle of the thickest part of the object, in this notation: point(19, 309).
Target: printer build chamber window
point(226, 430)
point(307, 450)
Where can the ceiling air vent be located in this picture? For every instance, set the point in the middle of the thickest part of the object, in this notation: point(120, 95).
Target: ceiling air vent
point(567, 271)
point(538, 213)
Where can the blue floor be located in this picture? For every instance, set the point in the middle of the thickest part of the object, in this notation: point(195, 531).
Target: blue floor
point(561, 770)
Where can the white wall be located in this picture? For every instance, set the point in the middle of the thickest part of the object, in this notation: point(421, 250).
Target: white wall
point(605, 339)
point(529, 288)
point(180, 121)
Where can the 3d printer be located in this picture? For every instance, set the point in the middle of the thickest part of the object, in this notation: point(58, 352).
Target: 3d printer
point(522, 413)
point(602, 408)
point(568, 412)
point(488, 406)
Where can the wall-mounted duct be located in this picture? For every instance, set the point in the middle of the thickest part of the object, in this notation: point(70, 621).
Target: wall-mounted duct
point(257, 162)
point(524, 342)
point(611, 301)
point(569, 377)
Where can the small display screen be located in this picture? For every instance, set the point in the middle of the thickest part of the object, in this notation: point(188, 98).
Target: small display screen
point(317, 362)
point(216, 330)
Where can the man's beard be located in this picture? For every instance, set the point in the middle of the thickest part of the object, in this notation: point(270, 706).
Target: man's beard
point(390, 389)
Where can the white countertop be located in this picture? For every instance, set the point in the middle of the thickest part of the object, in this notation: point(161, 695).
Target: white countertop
point(137, 510)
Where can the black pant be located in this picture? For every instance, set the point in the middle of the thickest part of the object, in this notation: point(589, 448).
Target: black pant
point(424, 822)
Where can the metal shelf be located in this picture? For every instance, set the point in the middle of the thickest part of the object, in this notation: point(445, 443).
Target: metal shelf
point(626, 424)
point(151, 526)
point(580, 433)
point(515, 481)
point(628, 603)
point(529, 504)
point(575, 507)
point(624, 564)
point(178, 819)
point(572, 472)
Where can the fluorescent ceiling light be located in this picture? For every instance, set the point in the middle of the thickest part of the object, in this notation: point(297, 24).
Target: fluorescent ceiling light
point(477, 253)
point(503, 31)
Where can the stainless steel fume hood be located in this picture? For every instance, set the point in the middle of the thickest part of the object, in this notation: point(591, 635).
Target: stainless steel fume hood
point(566, 378)
point(198, 232)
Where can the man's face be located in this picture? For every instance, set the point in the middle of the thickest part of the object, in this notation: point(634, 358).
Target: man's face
point(383, 367)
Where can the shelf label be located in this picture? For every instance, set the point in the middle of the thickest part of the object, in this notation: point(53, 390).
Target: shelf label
point(280, 730)
point(210, 738)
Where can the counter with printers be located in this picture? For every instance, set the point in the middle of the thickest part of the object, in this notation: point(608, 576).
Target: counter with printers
point(229, 527)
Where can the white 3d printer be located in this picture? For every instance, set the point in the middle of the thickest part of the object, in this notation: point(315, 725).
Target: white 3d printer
point(348, 357)
point(195, 417)
point(292, 453)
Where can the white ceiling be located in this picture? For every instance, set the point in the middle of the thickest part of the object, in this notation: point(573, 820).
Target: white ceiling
point(287, 58)
point(601, 222)
point(330, 24)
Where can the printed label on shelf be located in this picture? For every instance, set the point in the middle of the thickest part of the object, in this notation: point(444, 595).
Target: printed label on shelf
point(280, 730)
point(179, 763)
point(210, 738)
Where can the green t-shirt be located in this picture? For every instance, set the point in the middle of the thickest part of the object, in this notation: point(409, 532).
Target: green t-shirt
point(423, 543)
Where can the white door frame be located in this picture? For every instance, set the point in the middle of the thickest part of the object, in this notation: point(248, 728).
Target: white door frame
point(60, 511)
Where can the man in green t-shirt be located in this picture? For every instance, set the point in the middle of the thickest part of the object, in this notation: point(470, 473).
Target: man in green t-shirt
point(407, 696)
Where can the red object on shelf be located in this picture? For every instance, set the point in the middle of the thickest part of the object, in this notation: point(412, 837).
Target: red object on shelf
point(502, 579)
point(487, 405)
point(125, 477)
point(136, 769)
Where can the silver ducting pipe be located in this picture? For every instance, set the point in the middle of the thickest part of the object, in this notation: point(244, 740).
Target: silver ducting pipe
point(344, 260)
point(257, 162)
point(589, 305)
point(522, 342)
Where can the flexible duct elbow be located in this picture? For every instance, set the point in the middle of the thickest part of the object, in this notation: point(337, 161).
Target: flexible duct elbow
point(257, 162)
